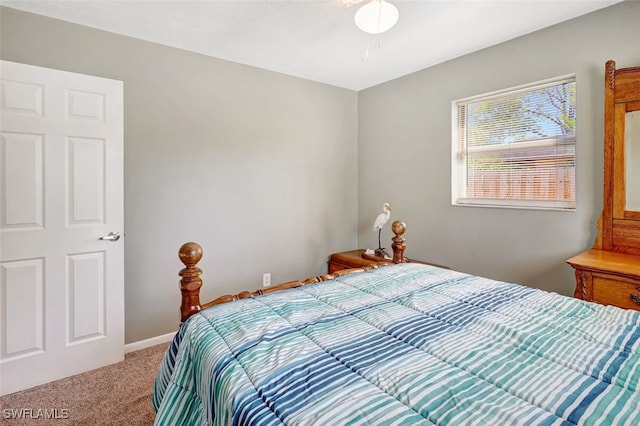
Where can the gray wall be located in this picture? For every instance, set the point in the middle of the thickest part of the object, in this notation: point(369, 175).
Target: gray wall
point(264, 170)
point(249, 163)
point(404, 145)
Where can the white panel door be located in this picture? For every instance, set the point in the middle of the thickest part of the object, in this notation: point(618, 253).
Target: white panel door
point(61, 190)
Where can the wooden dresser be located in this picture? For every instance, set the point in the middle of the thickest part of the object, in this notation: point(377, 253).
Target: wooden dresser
point(609, 273)
point(607, 277)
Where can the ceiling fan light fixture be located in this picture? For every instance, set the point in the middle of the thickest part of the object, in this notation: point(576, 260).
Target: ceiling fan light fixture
point(376, 17)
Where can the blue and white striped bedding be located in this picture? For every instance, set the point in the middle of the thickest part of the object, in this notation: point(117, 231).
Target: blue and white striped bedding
point(406, 344)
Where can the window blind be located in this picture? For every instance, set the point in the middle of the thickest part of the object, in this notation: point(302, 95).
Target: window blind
point(517, 148)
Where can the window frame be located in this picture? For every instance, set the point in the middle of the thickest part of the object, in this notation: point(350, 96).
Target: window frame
point(458, 165)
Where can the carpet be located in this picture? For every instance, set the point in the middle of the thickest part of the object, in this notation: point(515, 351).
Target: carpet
point(118, 394)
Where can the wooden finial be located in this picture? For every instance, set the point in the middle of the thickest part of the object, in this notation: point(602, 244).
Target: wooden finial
point(190, 254)
point(610, 71)
point(398, 245)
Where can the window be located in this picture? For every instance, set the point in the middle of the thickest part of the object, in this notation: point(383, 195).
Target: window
point(516, 148)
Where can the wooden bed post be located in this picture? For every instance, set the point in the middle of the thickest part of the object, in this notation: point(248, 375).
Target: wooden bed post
point(190, 254)
point(398, 245)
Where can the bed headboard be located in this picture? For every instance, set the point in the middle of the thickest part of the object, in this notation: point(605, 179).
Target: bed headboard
point(190, 284)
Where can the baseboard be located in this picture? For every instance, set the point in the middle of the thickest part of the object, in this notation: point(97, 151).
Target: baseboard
point(147, 343)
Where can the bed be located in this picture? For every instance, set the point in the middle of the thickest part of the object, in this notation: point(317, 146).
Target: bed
point(397, 344)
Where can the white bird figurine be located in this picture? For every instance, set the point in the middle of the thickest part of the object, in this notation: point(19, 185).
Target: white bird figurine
point(381, 220)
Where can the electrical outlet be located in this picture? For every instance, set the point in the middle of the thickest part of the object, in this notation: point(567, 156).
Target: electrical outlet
point(266, 279)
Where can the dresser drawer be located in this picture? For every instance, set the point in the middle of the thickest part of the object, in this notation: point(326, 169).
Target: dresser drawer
point(617, 291)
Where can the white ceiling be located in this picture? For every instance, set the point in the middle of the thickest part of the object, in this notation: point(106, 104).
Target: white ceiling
point(317, 39)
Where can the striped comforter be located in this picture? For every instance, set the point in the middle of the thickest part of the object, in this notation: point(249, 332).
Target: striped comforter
point(406, 344)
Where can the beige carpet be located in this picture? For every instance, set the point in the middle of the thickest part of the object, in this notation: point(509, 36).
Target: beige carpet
point(118, 394)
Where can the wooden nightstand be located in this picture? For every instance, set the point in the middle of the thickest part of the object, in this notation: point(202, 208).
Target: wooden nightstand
point(354, 259)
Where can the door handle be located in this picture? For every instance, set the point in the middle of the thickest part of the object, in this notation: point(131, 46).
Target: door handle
point(635, 297)
point(113, 236)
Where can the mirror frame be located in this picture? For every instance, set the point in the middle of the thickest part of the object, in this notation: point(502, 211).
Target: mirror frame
point(619, 228)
